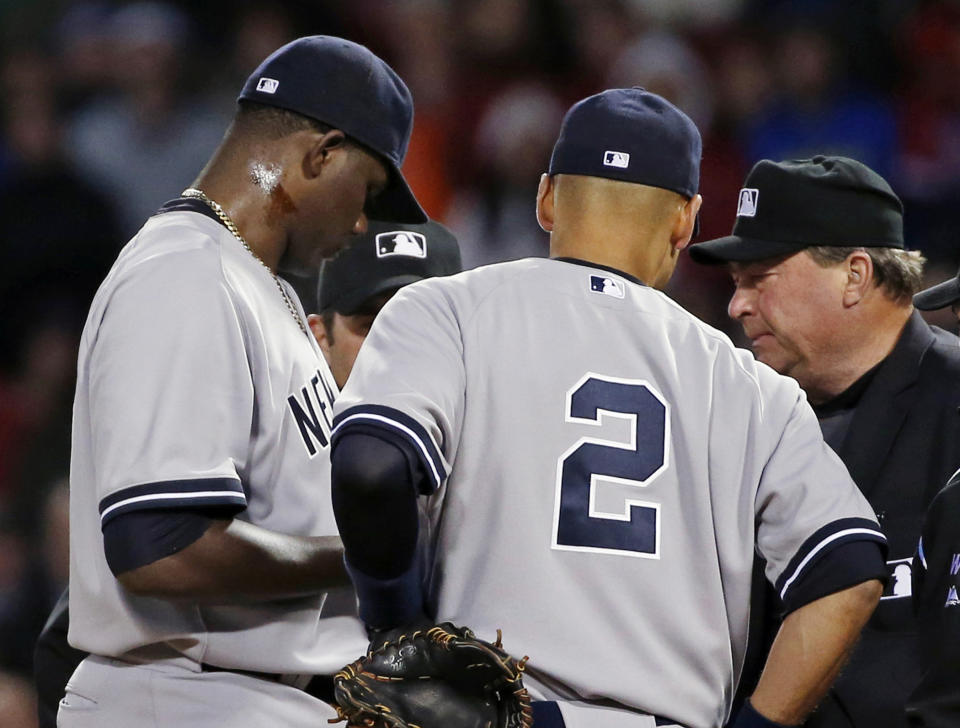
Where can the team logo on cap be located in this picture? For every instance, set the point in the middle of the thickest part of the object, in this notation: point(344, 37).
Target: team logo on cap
point(747, 206)
point(401, 242)
point(606, 286)
point(268, 85)
point(616, 159)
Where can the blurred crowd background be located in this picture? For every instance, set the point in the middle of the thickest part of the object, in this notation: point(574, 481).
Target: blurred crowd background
point(108, 109)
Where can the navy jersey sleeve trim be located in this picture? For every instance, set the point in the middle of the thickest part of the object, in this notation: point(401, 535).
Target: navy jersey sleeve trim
point(394, 421)
point(225, 493)
point(822, 542)
point(849, 564)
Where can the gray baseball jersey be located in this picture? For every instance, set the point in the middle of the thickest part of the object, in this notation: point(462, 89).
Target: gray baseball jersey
point(196, 387)
point(605, 465)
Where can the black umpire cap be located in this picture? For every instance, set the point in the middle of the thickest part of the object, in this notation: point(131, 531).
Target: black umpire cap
point(388, 256)
point(785, 207)
point(344, 85)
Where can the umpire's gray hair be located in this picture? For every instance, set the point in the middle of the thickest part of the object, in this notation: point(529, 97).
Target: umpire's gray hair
point(898, 272)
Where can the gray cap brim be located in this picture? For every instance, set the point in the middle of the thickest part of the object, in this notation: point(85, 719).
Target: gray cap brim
point(938, 296)
point(735, 248)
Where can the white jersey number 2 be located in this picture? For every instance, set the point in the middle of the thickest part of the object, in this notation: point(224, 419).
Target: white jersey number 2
point(593, 511)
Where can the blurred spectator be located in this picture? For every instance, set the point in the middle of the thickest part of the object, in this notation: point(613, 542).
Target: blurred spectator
point(816, 111)
point(83, 43)
point(666, 64)
point(55, 534)
point(18, 702)
point(256, 31)
point(929, 116)
point(601, 29)
point(690, 13)
point(741, 88)
point(24, 598)
point(151, 123)
point(495, 220)
point(421, 48)
point(60, 239)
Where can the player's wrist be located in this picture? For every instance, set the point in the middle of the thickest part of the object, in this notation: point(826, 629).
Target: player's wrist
point(748, 717)
point(387, 603)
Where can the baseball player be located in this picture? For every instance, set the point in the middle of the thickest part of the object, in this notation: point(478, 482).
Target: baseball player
point(600, 464)
point(352, 289)
point(202, 542)
point(935, 702)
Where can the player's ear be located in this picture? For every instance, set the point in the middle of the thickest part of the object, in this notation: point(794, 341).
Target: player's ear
point(685, 223)
point(545, 203)
point(315, 322)
point(319, 148)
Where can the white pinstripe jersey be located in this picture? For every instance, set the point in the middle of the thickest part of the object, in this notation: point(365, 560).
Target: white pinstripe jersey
point(605, 465)
point(196, 387)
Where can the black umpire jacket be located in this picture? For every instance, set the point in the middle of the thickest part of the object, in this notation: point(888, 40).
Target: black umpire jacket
point(902, 445)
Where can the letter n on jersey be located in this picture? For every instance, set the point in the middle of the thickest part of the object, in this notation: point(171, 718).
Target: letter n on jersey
point(311, 408)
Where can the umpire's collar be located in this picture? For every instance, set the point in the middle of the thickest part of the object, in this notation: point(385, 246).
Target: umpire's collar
point(883, 406)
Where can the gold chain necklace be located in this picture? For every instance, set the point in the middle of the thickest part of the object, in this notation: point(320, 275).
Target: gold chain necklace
point(232, 227)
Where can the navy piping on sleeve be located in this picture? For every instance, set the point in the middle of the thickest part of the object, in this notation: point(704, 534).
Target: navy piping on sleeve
point(195, 493)
point(822, 542)
point(396, 422)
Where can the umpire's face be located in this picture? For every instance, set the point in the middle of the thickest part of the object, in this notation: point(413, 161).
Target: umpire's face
point(792, 310)
point(340, 336)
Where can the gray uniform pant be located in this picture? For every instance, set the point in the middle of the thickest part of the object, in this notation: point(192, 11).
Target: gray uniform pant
point(107, 693)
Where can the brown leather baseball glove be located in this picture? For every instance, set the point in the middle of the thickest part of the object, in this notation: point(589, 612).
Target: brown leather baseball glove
point(434, 677)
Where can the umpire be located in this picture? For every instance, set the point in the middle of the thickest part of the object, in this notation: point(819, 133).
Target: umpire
point(823, 290)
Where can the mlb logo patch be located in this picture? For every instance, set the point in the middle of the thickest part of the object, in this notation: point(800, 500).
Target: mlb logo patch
point(616, 159)
point(401, 242)
point(900, 583)
point(606, 286)
point(268, 85)
point(747, 206)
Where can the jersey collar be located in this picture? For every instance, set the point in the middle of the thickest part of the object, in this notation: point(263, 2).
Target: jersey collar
point(188, 204)
point(611, 269)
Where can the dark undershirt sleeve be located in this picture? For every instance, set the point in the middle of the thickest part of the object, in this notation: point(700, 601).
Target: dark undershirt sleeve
point(375, 482)
point(138, 538)
point(846, 565)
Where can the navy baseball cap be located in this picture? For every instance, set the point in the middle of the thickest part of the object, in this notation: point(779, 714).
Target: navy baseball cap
point(344, 85)
point(388, 256)
point(939, 296)
point(785, 207)
point(630, 135)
